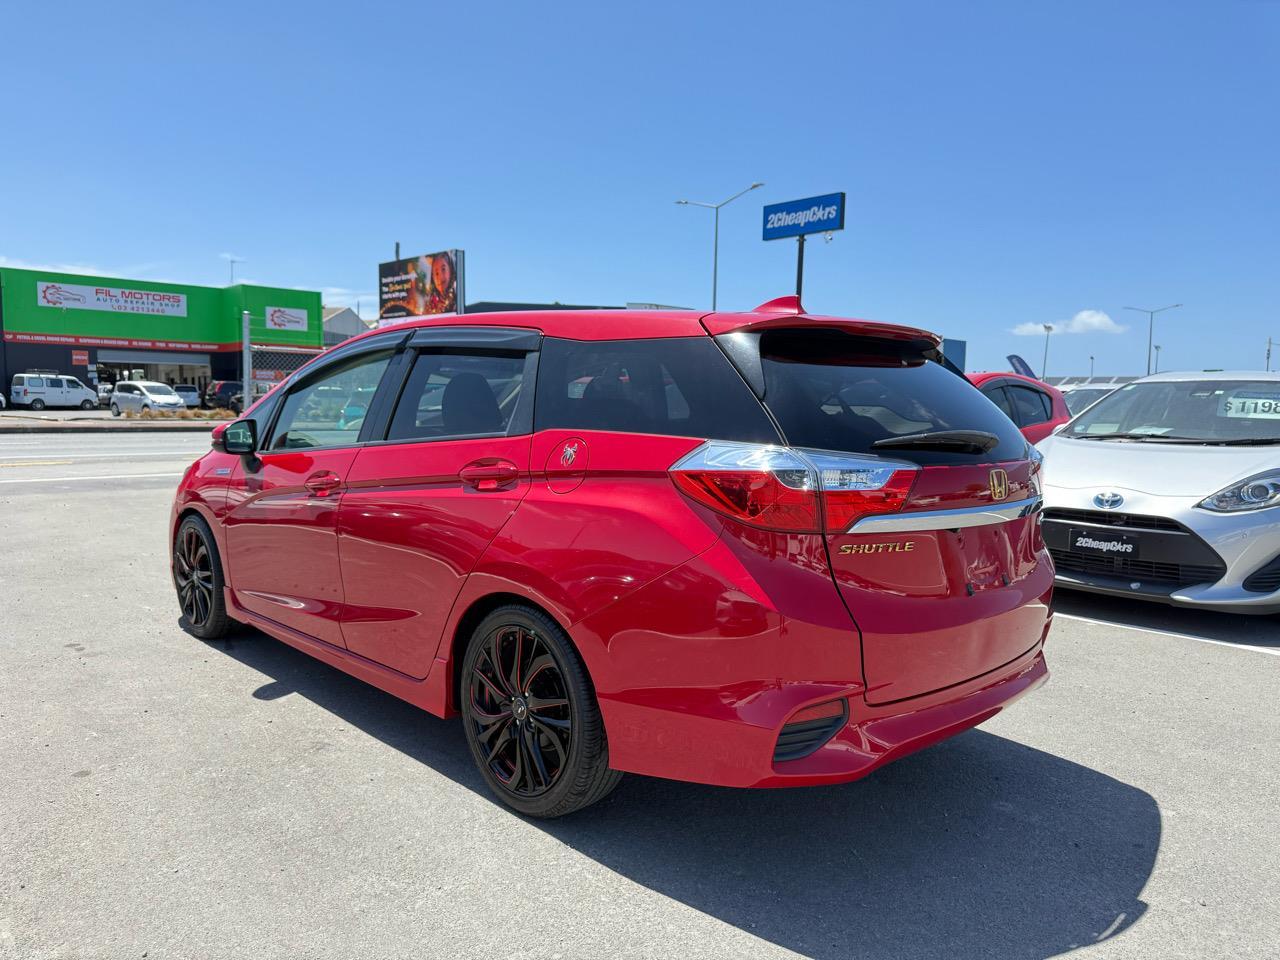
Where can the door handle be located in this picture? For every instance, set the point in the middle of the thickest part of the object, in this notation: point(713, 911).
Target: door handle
point(488, 474)
point(323, 483)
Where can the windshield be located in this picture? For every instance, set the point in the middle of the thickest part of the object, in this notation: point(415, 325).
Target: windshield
point(1188, 411)
point(834, 391)
point(1077, 400)
point(158, 390)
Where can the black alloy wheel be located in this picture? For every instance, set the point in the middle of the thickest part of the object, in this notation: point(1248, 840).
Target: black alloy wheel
point(531, 716)
point(197, 576)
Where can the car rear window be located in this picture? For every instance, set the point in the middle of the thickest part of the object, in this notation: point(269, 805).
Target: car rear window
point(679, 386)
point(835, 391)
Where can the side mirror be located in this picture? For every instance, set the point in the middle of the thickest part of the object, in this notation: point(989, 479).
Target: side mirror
point(238, 436)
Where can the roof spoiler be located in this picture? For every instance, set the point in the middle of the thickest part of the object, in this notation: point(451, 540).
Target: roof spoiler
point(788, 304)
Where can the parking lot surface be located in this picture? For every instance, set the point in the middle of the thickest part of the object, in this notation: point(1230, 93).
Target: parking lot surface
point(172, 798)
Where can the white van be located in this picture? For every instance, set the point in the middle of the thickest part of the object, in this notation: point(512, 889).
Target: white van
point(40, 390)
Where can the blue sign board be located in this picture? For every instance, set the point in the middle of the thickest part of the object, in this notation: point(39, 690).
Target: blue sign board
point(795, 218)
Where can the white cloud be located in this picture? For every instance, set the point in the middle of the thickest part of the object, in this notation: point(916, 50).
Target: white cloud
point(84, 268)
point(1086, 321)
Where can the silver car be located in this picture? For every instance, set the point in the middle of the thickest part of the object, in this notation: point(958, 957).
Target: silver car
point(1168, 489)
point(143, 395)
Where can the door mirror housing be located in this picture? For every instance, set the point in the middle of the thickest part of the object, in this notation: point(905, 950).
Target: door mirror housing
point(238, 436)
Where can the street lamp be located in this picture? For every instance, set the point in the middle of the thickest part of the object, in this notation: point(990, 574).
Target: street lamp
point(1091, 366)
point(1157, 358)
point(715, 247)
point(1044, 367)
point(1151, 325)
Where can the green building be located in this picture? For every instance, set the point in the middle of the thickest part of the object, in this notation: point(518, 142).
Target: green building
point(110, 328)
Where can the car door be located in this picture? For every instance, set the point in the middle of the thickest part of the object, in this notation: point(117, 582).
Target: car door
point(424, 502)
point(281, 524)
point(1034, 410)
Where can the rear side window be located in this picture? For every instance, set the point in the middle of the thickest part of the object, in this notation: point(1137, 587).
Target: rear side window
point(35, 381)
point(681, 387)
point(1031, 405)
point(833, 391)
point(459, 395)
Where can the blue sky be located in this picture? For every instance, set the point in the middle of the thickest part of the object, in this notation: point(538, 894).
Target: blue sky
point(1005, 163)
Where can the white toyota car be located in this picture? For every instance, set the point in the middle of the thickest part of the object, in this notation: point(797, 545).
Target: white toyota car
point(1168, 489)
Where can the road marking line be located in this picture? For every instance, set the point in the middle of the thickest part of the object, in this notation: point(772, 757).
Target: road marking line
point(1270, 651)
point(35, 463)
point(114, 476)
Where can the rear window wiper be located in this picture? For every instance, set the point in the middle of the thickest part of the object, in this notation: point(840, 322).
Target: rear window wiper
point(962, 441)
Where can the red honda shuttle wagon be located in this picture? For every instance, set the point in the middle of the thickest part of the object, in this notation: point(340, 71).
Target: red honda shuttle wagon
point(761, 549)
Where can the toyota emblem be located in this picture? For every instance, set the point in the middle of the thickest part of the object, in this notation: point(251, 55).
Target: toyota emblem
point(1108, 500)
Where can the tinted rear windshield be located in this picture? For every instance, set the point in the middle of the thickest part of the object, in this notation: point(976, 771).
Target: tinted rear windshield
point(833, 391)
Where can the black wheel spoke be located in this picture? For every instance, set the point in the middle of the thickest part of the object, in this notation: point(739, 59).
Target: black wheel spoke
point(503, 738)
point(555, 723)
point(513, 679)
point(496, 693)
point(554, 739)
point(545, 703)
point(531, 737)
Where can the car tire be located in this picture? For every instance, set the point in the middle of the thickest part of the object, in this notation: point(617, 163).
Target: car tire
point(115, 410)
point(87, 404)
point(146, 408)
point(197, 578)
point(531, 718)
point(37, 404)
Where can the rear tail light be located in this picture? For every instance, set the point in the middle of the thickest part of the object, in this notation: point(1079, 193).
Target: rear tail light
point(781, 488)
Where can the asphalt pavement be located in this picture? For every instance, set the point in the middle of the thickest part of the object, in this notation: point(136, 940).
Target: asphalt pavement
point(164, 797)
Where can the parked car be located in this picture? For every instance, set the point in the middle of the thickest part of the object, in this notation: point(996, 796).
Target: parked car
point(1080, 398)
point(140, 395)
point(190, 395)
point(40, 390)
point(1167, 490)
point(760, 549)
point(1033, 405)
point(104, 393)
point(218, 393)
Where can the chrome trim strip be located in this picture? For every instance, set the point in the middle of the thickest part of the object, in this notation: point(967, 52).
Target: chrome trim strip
point(948, 519)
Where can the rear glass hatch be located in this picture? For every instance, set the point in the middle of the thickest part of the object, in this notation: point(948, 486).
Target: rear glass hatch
point(936, 606)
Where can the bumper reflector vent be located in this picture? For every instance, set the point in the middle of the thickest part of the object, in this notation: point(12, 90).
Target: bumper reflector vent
point(809, 729)
point(1265, 579)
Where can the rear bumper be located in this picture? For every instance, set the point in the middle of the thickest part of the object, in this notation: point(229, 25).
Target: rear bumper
point(704, 748)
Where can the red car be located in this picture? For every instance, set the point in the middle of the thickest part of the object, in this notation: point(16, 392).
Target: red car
point(1033, 405)
point(759, 549)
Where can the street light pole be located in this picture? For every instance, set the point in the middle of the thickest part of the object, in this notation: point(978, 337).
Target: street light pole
point(1151, 326)
point(1044, 367)
point(715, 243)
point(1157, 358)
point(1091, 366)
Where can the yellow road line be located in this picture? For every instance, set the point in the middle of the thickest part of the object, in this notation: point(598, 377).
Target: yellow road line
point(36, 463)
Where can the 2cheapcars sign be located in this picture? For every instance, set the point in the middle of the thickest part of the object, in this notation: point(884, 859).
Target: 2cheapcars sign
point(796, 218)
point(431, 283)
point(74, 296)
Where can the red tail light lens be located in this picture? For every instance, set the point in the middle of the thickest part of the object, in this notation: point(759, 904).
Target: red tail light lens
point(778, 488)
point(763, 486)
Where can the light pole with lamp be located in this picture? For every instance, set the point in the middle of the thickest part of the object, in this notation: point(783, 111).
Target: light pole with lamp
point(715, 247)
point(1157, 347)
point(1151, 326)
point(1044, 367)
point(1091, 366)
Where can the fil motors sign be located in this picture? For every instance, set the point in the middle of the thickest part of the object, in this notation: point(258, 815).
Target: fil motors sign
point(286, 318)
point(795, 218)
point(74, 296)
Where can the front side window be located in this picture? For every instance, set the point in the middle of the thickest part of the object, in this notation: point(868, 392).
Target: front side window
point(328, 410)
point(1186, 411)
point(681, 387)
point(459, 395)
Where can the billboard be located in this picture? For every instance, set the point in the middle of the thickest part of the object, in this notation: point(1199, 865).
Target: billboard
point(795, 218)
point(431, 283)
point(286, 318)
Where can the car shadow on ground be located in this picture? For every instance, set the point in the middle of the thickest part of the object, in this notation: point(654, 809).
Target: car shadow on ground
point(1253, 630)
point(979, 847)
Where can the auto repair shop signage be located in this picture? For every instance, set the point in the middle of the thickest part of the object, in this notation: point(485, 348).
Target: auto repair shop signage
point(74, 296)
